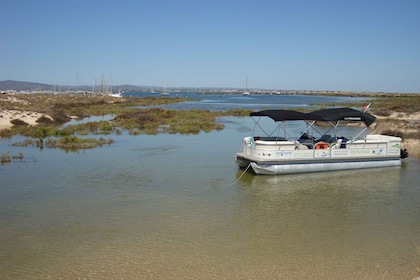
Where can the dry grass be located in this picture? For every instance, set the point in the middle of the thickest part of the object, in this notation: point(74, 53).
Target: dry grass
point(385, 106)
point(128, 115)
point(61, 107)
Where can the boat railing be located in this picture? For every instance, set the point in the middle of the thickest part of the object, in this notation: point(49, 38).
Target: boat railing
point(378, 144)
point(269, 138)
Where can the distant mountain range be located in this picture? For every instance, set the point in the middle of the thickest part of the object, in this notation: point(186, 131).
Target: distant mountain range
point(15, 85)
point(29, 86)
point(11, 85)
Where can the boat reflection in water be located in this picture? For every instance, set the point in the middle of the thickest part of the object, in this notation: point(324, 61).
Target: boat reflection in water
point(362, 180)
point(305, 218)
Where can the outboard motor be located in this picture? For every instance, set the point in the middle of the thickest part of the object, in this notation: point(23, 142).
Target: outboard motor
point(403, 153)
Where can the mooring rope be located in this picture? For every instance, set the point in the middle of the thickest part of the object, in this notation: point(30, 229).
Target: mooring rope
point(246, 169)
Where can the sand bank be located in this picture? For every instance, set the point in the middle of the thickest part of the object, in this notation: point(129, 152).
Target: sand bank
point(6, 116)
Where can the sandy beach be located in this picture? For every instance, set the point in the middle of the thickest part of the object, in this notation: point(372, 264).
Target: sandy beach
point(6, 116)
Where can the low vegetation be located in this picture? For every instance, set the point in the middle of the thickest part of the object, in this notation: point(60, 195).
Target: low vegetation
point(385, 106)
point(6, 158)
point(68, 143)
point(157, 120)
point(143, 116)
point(134, 114)
point(80, 105)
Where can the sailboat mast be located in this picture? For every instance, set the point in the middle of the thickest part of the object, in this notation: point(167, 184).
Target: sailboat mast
point(246, 92)
point(246, 83)
point(102, 84)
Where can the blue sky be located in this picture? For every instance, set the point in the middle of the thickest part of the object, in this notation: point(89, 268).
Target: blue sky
point(353, 45)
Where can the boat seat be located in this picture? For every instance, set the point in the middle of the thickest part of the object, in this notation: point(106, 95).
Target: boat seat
point(300, 146)
point(325, 138)
point(337, 145)
point(309, 145)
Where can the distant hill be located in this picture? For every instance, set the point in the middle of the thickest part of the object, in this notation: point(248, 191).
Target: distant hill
point(29, 86)
point(16, 85)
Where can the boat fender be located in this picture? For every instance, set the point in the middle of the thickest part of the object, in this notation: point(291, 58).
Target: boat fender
point(321, 146)
point(403, 153)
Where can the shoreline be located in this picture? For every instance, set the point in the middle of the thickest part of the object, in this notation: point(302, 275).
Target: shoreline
point(412, 145)
point(407, 124)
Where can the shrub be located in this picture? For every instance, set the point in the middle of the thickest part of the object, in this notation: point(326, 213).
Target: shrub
point(5, 158)
point(19, 122)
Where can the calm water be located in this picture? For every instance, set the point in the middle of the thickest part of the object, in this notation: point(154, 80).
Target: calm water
point(172, 207)
point(252, 102)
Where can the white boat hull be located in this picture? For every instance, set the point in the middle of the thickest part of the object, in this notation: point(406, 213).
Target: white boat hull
point(277, 169)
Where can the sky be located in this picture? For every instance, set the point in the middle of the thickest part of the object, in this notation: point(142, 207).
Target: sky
point(355, 45)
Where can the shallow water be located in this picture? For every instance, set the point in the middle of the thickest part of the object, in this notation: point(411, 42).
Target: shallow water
point(177, 207)
point(256, 102)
